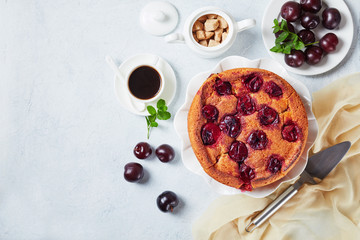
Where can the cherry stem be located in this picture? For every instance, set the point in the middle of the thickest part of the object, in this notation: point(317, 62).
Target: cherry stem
point(311, 43)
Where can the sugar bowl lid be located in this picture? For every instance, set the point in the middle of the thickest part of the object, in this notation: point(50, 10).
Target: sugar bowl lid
point(159, 18)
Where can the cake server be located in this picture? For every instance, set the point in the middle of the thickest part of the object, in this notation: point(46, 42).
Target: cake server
point(319, 166)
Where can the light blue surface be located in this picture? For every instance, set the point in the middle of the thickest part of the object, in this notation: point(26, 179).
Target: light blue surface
point(64, 137)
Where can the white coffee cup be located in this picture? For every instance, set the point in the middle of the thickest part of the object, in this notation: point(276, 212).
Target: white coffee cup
point(137, 103)
point(209, 52)
point(146, 84)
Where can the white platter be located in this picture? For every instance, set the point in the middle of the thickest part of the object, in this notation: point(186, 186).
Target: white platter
point(345, 34)
point(180, 122)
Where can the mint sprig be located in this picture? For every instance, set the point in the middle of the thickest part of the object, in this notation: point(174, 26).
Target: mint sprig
point(160, 114)
point(287, 40)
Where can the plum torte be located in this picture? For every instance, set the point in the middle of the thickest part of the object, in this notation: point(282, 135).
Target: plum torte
point(247, 127)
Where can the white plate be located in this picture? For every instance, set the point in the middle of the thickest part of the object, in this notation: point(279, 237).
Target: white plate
point(345, 34)
point(180, 122)
point(169, 76)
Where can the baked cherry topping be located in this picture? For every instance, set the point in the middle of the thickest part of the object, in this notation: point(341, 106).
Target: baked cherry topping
point(230, 125)
point(246, 187)
point(274, 163)
point(257, 140)
point(222, 88)
point(273, 89)
point(210, 133)
point(238, 151)
point(268, 115)
point(210, 112)
point(246, 173)
point(246, 105)
point(252, 82)
point(290, 131)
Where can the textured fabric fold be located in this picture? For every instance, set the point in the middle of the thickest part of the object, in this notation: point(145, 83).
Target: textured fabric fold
point(328, 210)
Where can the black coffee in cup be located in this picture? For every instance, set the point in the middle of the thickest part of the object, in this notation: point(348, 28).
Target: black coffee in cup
point(144, 82)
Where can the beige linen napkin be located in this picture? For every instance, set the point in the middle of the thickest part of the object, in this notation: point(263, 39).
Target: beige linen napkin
point(328, 210)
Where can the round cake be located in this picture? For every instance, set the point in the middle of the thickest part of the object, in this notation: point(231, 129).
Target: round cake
point(247, 127)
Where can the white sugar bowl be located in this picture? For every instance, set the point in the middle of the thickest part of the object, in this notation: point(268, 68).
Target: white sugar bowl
point(203, 45)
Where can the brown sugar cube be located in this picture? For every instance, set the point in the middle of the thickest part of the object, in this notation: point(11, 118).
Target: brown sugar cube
point(202, 18)
point(197, 26)
point(209, 34)
point(224, 35)
point(200, 35)
point(222, 22)
point(211, 25)
point(218, 33)
point(196, 39)
point(213, 43)
point(204, 43)
point(211, 16)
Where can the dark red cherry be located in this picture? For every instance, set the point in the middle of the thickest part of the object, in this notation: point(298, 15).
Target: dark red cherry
point(268, 115)
point(133, 172)
point(290, 11)
point(167, 201)
point(313, 54)
point(230, 125)
point(245, 105)
point(210, 112)
point(309, 20)
point(290, 131)
point(253, 82)
point(142, 150)
point(210, 133)
point(306, 36)
point(165, 153)
point(329, 42)
point(257, 140)
point(273, 89)
point(275, 163)
point(222, 88)
point(295, 59)
point(246, 173)
point(313, 6)
point(331, 18)
point(238, 151)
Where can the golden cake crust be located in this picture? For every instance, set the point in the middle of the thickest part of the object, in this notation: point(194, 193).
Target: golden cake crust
point(215, 159)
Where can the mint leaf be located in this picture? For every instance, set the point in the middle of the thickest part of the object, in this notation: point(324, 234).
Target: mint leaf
point(160, 114)
point(151, 110)
point(163, 108)
point(276, 22)
point(276, 29)
point(283, 25)
point(282, 37)
point(160, 103)
point(287, 40)
point(152, 118)
point(287, 49)
point(276, 48)
point(299, 45)
point(163, 115)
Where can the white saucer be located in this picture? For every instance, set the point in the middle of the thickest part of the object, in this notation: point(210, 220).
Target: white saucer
point(345, 33)
point(169, 76)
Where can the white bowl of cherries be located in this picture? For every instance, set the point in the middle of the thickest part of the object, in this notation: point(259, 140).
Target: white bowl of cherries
point(308, 37)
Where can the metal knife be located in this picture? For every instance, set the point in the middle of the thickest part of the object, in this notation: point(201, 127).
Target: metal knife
point(319, 166)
